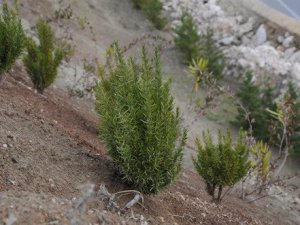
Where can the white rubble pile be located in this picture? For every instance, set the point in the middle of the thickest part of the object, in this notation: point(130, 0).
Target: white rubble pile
point(245, 42)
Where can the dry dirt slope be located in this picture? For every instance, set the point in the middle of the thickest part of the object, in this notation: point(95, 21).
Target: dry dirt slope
point(48, 149)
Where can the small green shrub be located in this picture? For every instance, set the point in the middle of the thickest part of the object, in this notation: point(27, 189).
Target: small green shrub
point(42, 60)
point(222, 164)
point(264, 127)
point(196, 46)
point(256, 100)
point(260, 163)
point(139, 123)
point(208, 49)
point(12, 38)
point(152, 10)
point(187, 38)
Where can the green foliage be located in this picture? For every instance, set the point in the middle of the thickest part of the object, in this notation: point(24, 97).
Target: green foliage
point(138, 123)
point(187, 38)
point(208, 49)
point(194, 46)
point(256, 100)
point(198, 69)
point(66, 48)
point(82, 22)
point(222, 164)
point(267, 122)
point(260, 161)
point(152, 10)
point(42, 60)
point(11, 38)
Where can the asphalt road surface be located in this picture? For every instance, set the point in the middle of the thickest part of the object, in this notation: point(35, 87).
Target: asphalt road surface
point(288, 7)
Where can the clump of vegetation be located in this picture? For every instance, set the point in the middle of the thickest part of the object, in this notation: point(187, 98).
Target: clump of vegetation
point(12, 38)
point(260, 164)
point(142, 130)
point(153, 11)
point(208, 49)
point(43, 60)
point(82, 22)
point(63, 13)
point(256, 100)
point(196, 46)
point(67, 49)
point(187, 38)
point(221, 164)
point(259, 102)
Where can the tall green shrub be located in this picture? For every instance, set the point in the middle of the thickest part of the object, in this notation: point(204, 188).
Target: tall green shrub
point(42, 60)
point(153, 11)
point(187, 38)
point(221, 164)
point(256, 100)
point(139, 122)
point(11, 38)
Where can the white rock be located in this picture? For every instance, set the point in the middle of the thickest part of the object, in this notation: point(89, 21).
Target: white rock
point(262, 56)
point(5, 146)
point(243, 62)
point(250, 34)
point(261, 35)
point(280, 48)
point(227, 40)
point(286, 34)
point(254, 52)
point(246, 40)
point(288, 41)
point(296, 71)
point(280, 39)
point(289, 52)
point(295, 57)
point(247, 27)
point(239, 19)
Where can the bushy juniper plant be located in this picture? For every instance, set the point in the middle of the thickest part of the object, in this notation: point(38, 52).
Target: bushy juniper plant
point(42, 60)
point(11, 38)
point(256, 100)
point(139, 122)
point(208, 49)
point(187, 38)
point(221, 164)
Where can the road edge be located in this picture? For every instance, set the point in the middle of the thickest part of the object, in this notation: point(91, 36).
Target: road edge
point(283, 21)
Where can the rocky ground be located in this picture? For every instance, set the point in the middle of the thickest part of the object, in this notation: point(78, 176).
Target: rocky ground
point(50, 150)
point(249, 42)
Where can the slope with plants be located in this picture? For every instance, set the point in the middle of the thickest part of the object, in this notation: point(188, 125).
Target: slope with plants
point(60, 148)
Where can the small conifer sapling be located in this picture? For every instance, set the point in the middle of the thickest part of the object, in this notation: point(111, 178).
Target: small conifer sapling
point(42, 60)
point(12, 38)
